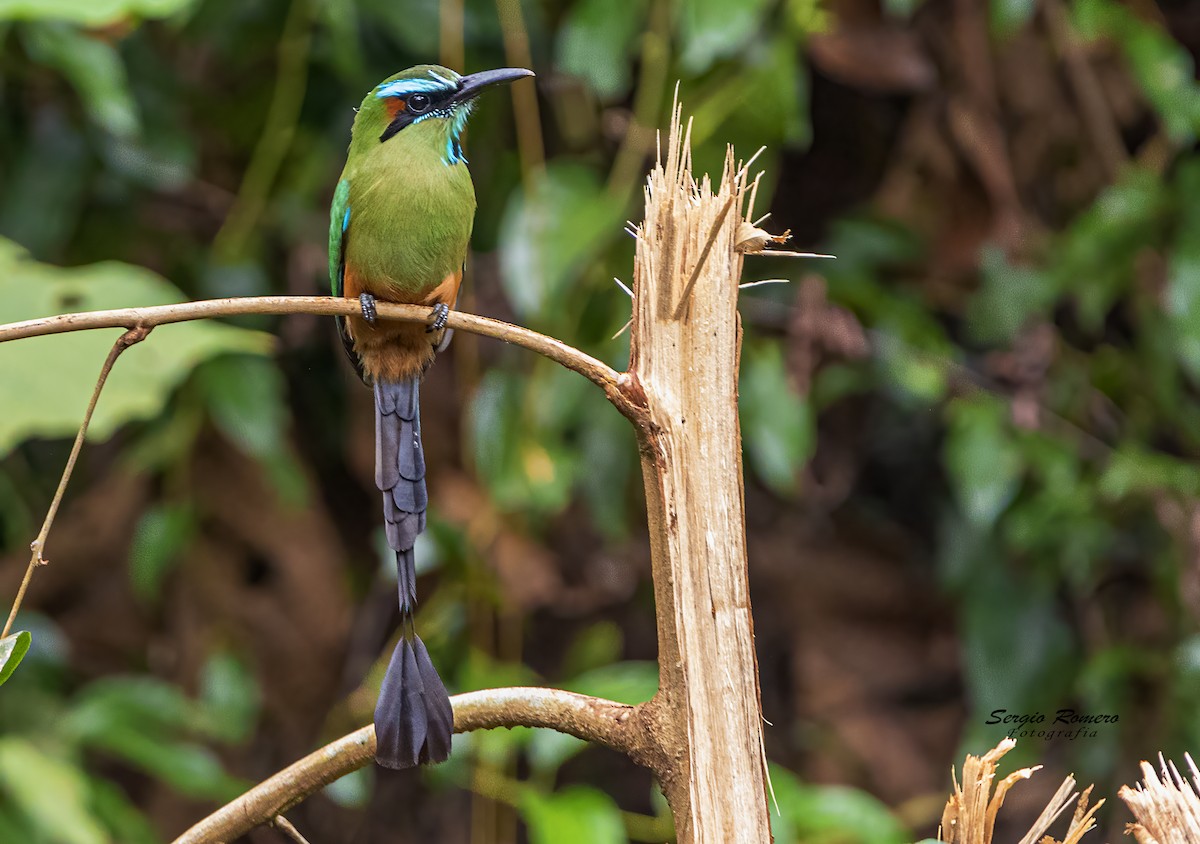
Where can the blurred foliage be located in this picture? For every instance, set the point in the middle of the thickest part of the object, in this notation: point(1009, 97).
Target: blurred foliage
point(56, 732)
point(202, 138)
point(41, 406)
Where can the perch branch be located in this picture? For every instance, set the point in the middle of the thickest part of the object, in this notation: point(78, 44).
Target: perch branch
point(614, 725)
point(129, 338)
point(594, 370)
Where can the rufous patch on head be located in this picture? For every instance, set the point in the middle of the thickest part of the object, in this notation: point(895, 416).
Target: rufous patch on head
point(395, 105)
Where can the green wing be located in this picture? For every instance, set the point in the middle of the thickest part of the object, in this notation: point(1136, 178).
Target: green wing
point(339, 231)
point(339, 225)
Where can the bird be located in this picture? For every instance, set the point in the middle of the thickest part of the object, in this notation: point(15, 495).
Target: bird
point(399, 229)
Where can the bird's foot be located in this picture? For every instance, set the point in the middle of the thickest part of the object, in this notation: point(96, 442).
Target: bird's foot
point(367, 302)
point(441, 314)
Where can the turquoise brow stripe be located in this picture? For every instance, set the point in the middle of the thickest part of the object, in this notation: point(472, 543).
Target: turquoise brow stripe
point(408, 87)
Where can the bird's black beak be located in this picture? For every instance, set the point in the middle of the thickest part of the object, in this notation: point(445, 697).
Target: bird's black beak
point(472, 85)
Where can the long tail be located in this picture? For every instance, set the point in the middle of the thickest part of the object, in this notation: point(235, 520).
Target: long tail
point(413, 718)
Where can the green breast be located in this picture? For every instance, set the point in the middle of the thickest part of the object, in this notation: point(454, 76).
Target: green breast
point(411, 213)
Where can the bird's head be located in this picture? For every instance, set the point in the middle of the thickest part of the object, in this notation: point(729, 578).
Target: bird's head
point(429, 95)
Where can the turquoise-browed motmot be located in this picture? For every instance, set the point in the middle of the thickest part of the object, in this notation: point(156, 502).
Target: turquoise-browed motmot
point(399, 228)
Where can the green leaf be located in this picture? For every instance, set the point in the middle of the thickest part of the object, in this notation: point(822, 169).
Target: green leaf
point(91, 13)
point(597, 44)
point(1095, 258)
point(352, 791)
point(765, 102)
point(45, 382)
point(1162, 66)
point(524, 466)
point(161, 535)
point(192, 770)
point(608, 450)
point(1182, 299)
point(115, 703)
point(1183, 309)
point(246, 396)
point(1133, 470)
point(1018, 651)
point(94, 69)
point(229, 697)
point(552, 234)
point(119, 814)
point(12, 650)
point(901, 8)
point(984, 462)
point(1007, 16)
point(46, 184)
point(13, 826)
point(632, 682)
point(578, 814)
point(716, 29)
point(830, 813)
point(777, 423)
point(595, 647)
point(1008, 297)
point(50, 792)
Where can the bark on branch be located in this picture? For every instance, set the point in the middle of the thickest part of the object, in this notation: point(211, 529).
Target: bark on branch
point(598, 372)
point(685, 355)
point(611, 724)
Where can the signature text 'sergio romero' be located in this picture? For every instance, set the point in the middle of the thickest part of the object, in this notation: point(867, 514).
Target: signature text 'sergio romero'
point(1066, 723)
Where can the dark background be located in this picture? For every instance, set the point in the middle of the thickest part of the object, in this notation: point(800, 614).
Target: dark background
point(971, 440)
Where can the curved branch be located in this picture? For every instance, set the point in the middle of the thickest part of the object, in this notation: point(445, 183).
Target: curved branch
point(598, 372)
point(614, 725)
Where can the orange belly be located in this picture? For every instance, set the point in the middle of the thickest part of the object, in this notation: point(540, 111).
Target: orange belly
point(391, 350)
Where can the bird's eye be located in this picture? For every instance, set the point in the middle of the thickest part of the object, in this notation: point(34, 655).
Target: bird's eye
point(418, 103)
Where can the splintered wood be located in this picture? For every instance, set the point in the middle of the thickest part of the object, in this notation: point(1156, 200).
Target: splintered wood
point(684, 357)
point(970, 813)
point(1167, 808)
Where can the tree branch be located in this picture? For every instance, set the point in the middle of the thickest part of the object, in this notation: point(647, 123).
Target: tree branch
point(614, 725)
point(684, 355)
point(596, 371)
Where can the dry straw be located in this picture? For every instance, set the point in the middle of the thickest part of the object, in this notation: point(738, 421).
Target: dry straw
point(1166, 806)
point(970, 813)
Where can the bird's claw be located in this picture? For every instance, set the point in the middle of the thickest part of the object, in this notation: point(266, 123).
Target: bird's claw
point(441, 314)
point(367, 302)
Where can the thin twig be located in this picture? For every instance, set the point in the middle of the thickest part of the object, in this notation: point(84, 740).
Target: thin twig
point(133, 335)
point(614, 725)
point(599, 373)
point(283, 824)
point(785, 253)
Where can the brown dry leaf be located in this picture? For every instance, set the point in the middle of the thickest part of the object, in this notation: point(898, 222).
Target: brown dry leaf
point(753, 240)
